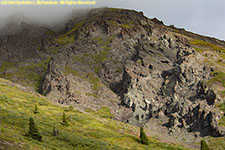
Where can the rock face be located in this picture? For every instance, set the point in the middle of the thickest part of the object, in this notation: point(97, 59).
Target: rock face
point(171, 88)
point(143, 70)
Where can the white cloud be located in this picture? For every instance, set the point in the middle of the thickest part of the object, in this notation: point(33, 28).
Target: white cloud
point(205, 17)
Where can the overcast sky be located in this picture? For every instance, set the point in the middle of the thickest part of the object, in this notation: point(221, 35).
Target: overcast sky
point(205, 17)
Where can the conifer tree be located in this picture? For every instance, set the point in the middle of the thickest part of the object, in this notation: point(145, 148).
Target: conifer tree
point(33, 131)
point(36, 109)
point(204, 145)
point(64, 120)
point(55, 132)
point(143, 137)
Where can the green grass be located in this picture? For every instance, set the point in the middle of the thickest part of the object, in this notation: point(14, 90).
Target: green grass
point(223, 93)
point(27, 74)
point(84, 130)
point(92, 94)
point(103, 112)
point(68, 38)
point(128, 25)
point(218, 77)
point(50, 32)
point(65, 39)
point(6, 65)
point(217, 61)
point(222, 55)
point(220, 62)
point(75, 28)
point(207, 45)
point(217, 143)
point(202, 46)
point(53, 49)
point(90, 77)
point(96, 59)
point(221, 106)
point(102, 56)
point(119, 69)
point(68, 70)
point(79, 59)
point(199, 50)
point(139, 61)
point(94, 81)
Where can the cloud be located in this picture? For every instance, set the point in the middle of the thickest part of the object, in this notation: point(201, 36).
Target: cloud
point(205, 17)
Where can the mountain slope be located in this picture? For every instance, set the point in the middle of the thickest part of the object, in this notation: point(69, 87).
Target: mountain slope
point(94, 130)
point(167, 79)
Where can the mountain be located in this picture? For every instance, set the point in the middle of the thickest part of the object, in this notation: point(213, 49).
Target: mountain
point(166, 79)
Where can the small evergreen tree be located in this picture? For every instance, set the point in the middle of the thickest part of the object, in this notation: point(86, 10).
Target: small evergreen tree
point(143, 137)
point(55, 132)
point(204, 145)
point(64, 120)
point(33, 131)
point(36, 109)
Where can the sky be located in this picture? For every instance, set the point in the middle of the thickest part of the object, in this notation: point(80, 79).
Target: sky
point(206, 17)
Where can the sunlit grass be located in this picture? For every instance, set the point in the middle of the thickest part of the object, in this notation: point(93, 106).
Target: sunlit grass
point(84, 130)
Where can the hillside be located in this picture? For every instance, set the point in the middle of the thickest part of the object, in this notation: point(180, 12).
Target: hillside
point(138, 70)
point(94, 130)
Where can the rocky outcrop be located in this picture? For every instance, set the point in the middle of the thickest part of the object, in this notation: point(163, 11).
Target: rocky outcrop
point(57, 86)
point(177, 96)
